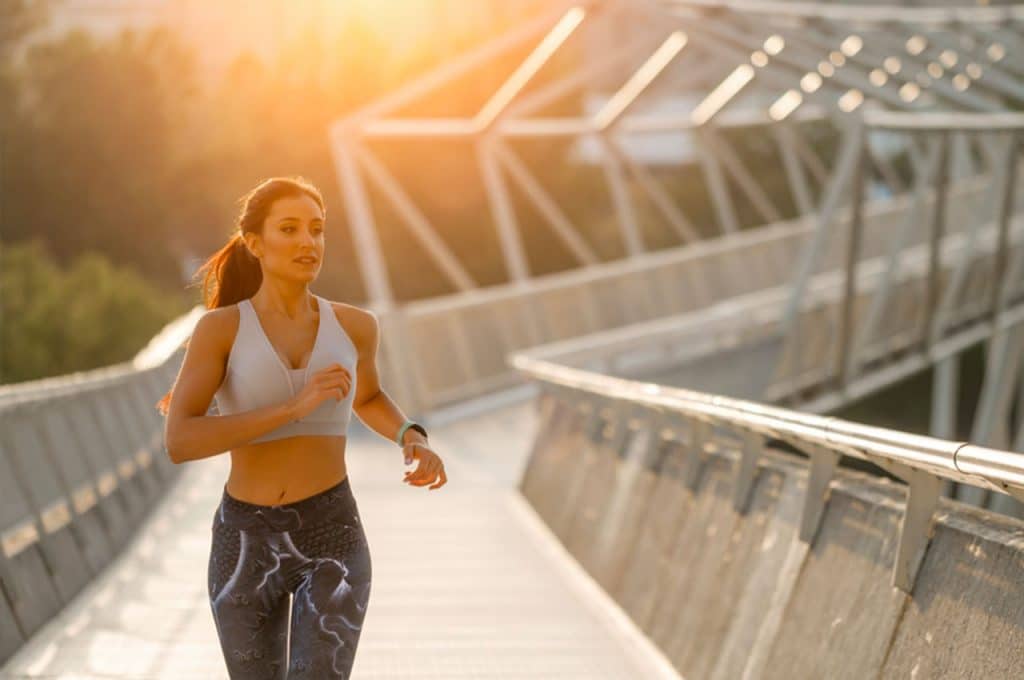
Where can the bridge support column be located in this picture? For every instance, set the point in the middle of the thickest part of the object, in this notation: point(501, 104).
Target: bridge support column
point(699, 435)
point(917, 527)
point(753, 446)
point(823, 467)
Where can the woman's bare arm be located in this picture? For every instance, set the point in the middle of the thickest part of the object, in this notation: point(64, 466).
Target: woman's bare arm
point(372, 404)
point(189, 433)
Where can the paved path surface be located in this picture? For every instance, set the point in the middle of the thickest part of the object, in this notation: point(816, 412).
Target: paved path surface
point(468, 582)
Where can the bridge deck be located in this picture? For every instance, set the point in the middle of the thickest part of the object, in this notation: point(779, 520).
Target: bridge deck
point(468, 583)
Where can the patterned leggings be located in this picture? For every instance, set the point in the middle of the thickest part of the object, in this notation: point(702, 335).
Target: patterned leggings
point(310, 557)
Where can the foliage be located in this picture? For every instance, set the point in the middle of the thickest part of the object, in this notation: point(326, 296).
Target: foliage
point(55, 321)
point(92, 165)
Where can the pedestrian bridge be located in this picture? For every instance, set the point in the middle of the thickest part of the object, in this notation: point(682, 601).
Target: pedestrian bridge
point(645, 476)
point(468, 581)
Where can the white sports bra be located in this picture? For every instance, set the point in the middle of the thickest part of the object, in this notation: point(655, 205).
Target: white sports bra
point(256, 376)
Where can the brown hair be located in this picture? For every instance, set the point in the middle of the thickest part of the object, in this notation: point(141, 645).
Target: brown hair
point(232, 273)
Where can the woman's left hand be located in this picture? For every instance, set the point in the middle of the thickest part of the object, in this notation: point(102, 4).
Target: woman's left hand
point(429, 469)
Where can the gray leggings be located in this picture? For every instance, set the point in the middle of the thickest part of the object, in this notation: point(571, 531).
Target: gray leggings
point(310, 557)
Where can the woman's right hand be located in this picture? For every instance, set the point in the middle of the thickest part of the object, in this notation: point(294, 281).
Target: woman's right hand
point(333, 381)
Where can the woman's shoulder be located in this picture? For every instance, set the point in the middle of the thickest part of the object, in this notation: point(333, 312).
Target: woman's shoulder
point(221, 320)
point(216, 328)
point(361, 324)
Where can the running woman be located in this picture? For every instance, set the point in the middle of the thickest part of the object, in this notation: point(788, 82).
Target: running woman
point(287, 368)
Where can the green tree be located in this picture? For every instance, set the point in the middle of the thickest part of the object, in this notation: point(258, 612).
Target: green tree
point(54, 321)
point(92, 166)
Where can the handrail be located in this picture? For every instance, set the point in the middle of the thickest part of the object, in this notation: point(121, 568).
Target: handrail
point(164, 344)
point(621, 267)
point(920, 461)
point(1003, 121)
point(862, 12)
point(1001, 471)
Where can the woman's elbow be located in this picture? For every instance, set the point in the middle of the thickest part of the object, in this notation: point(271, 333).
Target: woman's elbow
point(172, 453)
point(173, 444)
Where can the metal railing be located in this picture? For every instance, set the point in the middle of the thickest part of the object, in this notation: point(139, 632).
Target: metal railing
point(751, 320)
point(992, 312)
point(459, 342)
point(922, 462)
point(82, 463)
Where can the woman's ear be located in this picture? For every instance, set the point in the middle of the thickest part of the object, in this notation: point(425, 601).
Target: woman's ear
point(249, 241)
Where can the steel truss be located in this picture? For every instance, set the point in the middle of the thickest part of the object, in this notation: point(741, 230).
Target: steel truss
point(813, 62)
point(941, 80)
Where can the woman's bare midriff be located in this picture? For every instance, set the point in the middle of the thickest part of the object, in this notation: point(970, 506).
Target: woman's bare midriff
point(286, 470)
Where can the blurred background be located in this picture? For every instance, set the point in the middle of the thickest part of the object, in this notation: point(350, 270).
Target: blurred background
point(130, 129)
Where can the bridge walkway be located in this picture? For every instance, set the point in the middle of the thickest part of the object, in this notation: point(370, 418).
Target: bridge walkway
point(468, 581)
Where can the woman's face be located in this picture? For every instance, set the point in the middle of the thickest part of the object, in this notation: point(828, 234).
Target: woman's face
point(292, 232)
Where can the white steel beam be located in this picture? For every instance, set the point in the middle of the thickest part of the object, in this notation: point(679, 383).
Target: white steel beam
point(618, 188)
point(544, 204)
point(512, 250)
point(418, 224)
point(373, 265)
point(540, 55)
point(734, 166)
point(717, 187)
point(458, 67)
point(795, 176)
point(662, 201)
point(621, 101)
